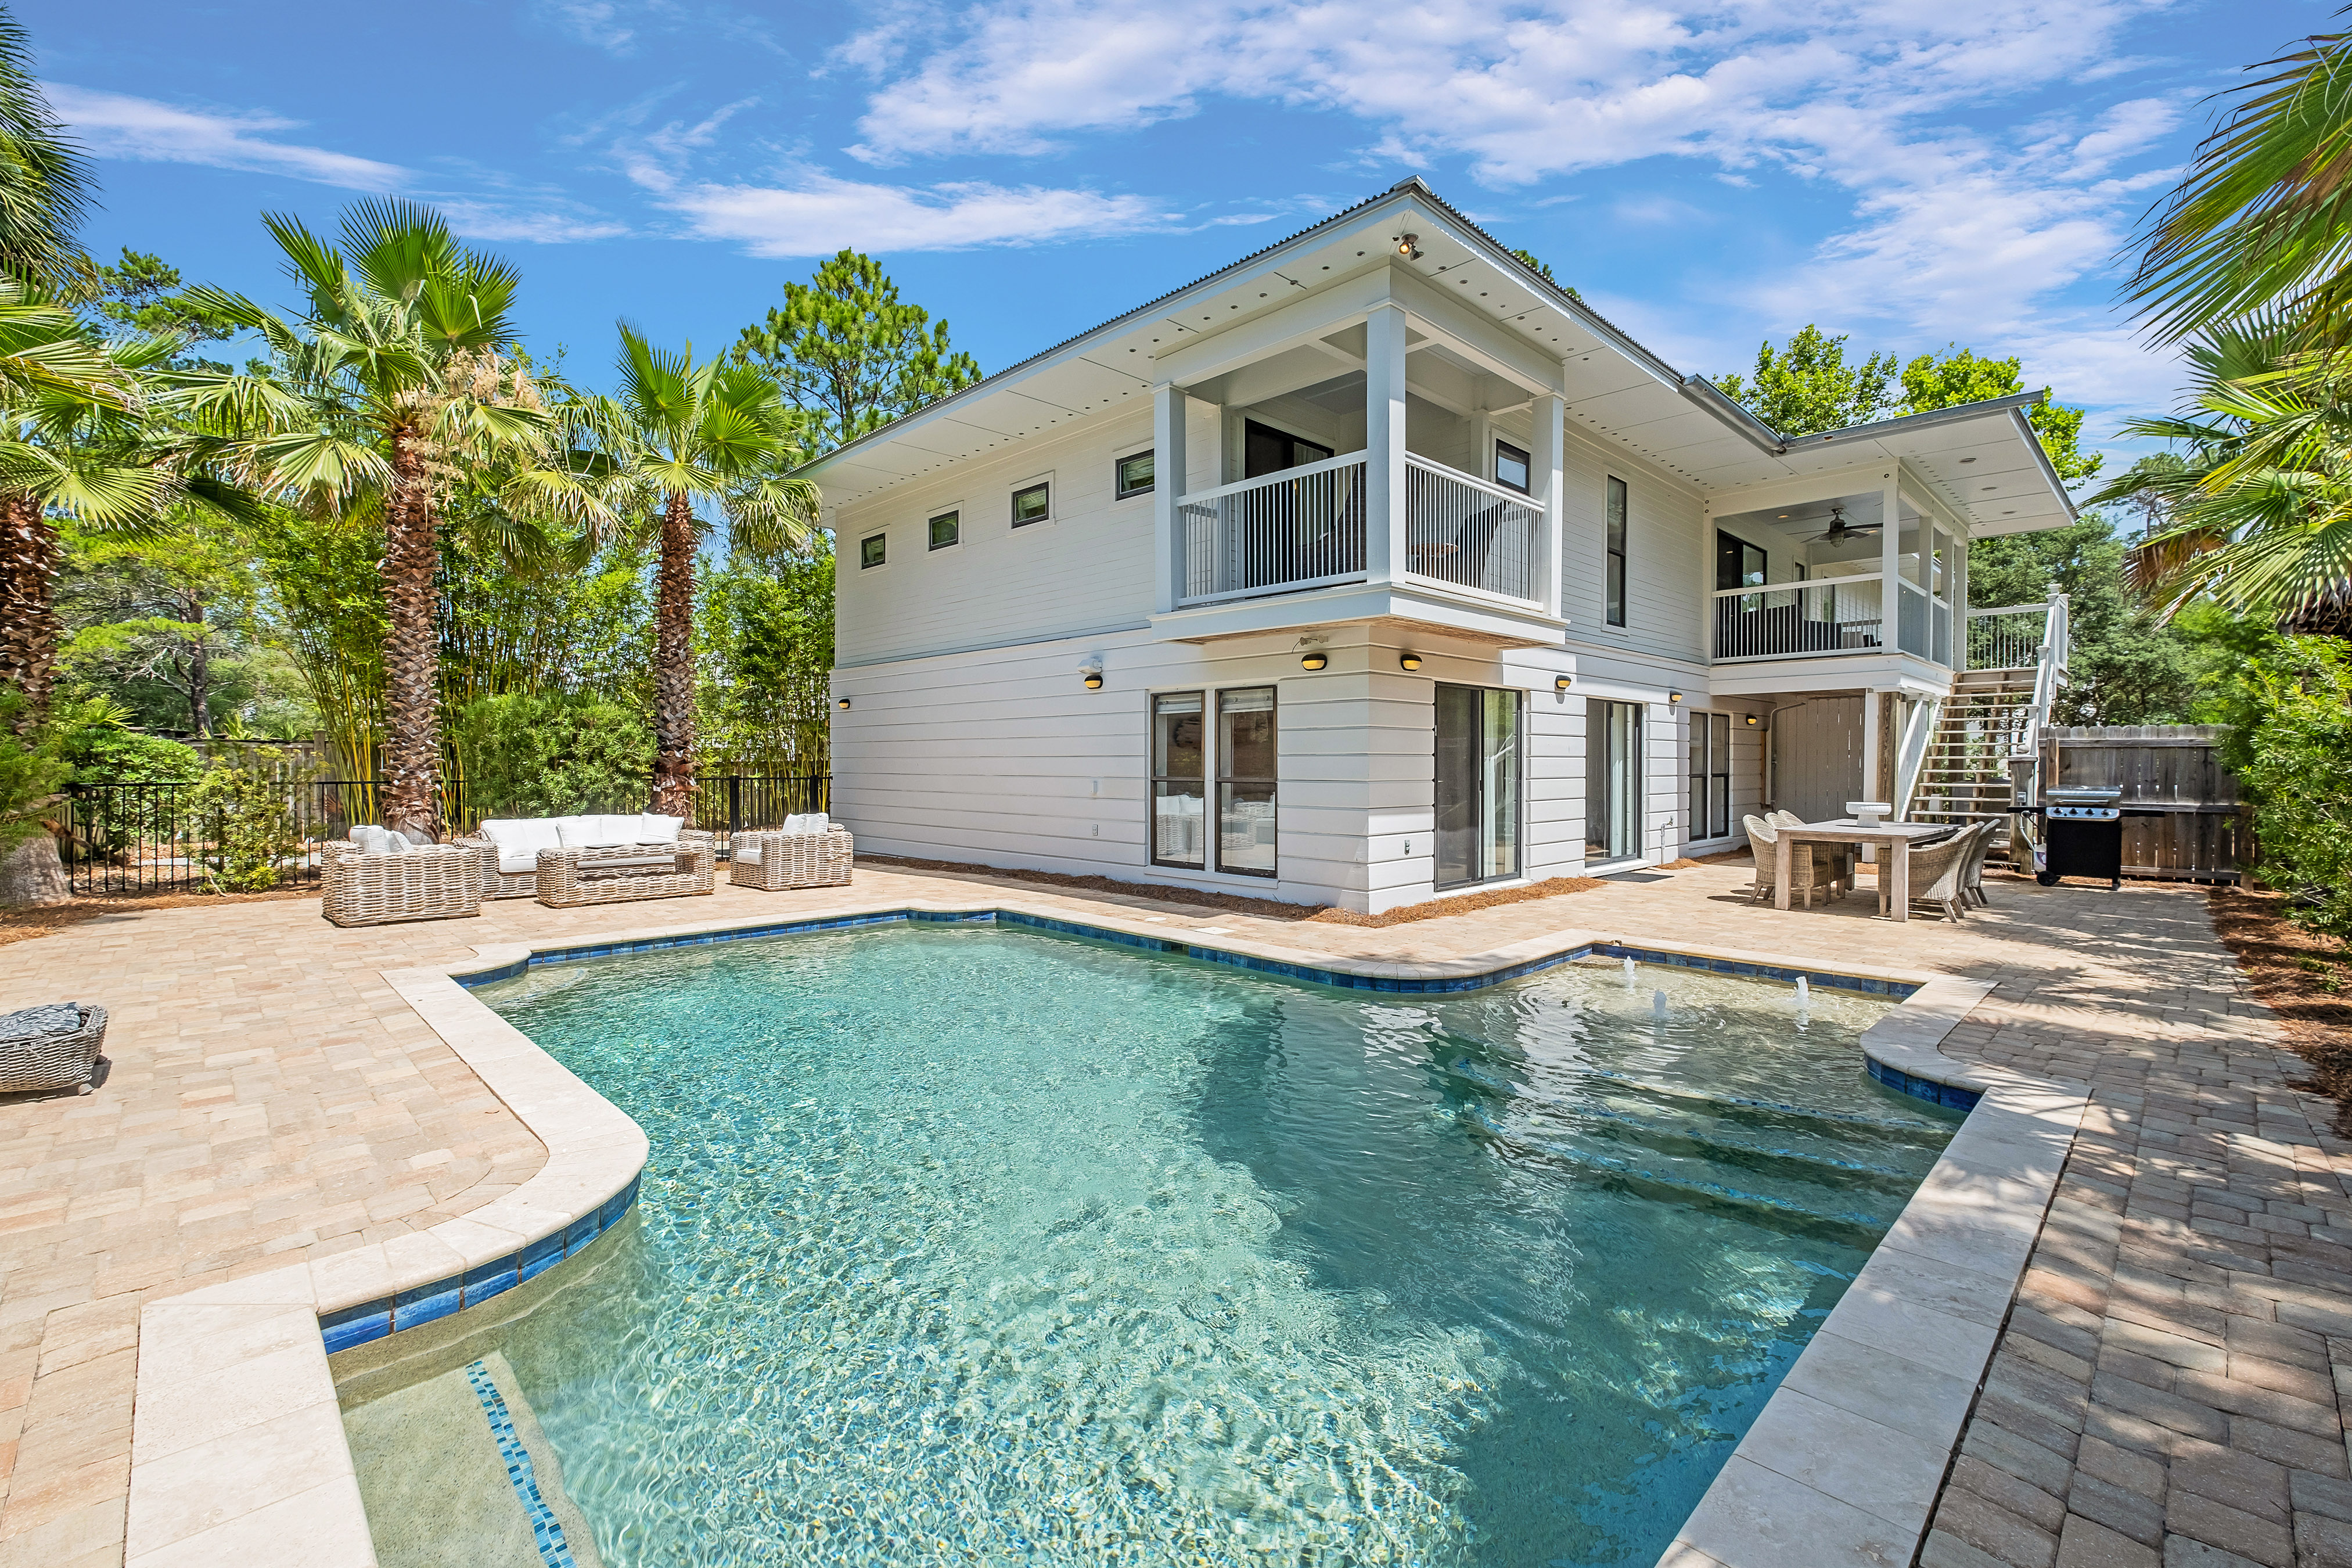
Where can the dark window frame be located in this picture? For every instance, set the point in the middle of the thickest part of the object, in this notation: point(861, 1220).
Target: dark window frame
point(1526, 460)
point(1707, 815)
point(1041, 488)
point(873, 551)
point(1153, 754)
point(953, 517)
point(1120, 489)
point(1222, 766)
point(1294, 440)
point(1616, 526)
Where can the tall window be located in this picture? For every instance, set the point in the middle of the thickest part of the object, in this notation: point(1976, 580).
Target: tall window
point(1478, 783)
point(1245, 773)
point(1616, 552)
point(1710, 813)
point(1179, 780)
point(1612, 782)
point(1511, 467)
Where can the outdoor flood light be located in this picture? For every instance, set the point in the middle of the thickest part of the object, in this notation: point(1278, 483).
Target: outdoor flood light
point(1409, 661)
point(1410, 248)
point(1314, 661)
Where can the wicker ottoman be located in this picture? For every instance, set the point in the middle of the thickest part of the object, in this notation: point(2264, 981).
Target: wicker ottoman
point(35, 1054)
point(772, 861)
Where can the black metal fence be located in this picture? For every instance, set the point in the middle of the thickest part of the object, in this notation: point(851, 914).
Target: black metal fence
point(134, 839)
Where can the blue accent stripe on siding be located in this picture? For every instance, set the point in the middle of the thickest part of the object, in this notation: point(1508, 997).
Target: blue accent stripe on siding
point(545, 1527)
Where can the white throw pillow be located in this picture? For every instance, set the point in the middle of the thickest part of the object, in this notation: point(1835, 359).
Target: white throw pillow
point(578, 832)
point(817, 823)
point(371, 840)
point(396, 844)
point(617, 829)
point(655, 829)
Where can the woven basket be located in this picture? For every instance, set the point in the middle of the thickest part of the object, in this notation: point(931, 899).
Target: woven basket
point(570, 877)
point(429, 882)
point(54, 1061)
point(788, 860)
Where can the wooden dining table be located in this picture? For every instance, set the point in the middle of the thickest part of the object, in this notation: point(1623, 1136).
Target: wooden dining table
point(1893, 839)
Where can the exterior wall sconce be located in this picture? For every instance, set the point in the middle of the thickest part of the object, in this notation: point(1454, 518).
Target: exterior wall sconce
point(1410, 248)
point(1315, 660)
point(841, 703)
point(1673, 696)
point(1409, 661)
point(1091, 671)
point(1562, 682)
point(1751, 720)
point(1094, 681)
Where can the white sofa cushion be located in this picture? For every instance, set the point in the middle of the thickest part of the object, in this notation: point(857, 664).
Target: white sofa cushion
point(655, 829)
point(594, 832)
point(747, 849)
point(519, 840)
point(617, 829)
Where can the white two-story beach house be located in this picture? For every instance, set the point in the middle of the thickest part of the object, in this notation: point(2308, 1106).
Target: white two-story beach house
point(1373, 567)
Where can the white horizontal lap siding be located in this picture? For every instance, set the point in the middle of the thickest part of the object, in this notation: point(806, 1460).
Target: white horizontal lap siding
point(1089, 567)
point(1003, 757)
point(1663, 536)
point(1556, 782)
point(1668, 757)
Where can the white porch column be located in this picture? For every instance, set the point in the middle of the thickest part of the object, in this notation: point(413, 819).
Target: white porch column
point(1890, 578)
point(1384, 449)
point(1167, 489)
point(1549, 411)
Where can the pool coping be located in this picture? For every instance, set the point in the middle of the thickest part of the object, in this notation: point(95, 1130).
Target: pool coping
point(239, 1456)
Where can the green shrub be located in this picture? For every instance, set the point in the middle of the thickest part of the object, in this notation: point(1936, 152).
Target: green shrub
point(553, 756)
point(2290, 709)
point(247, 817)
point(33, 769)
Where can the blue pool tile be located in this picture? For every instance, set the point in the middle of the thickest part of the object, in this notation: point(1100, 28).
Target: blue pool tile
point(615, 1207)
point(579, 1234)
point(493, 1279)
point(541, 1254)
point(356, 1325)
point(428, 1302)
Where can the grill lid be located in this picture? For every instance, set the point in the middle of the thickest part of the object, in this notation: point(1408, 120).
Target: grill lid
point(2074, 794)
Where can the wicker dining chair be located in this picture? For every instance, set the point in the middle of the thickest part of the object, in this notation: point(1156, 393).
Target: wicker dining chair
point(1936, 872)
point(1816, 869)
point(775, 861)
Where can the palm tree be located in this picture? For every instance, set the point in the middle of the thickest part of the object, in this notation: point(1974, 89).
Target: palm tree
point(2259, 510)
point(396, 379)
point(678, 434)
point(2264, 221)
point(44, 178)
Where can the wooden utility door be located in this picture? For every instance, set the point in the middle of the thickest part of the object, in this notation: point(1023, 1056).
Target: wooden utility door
point(1816, 762)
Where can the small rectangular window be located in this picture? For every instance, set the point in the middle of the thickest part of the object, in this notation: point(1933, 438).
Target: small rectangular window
point(945, 530)
point(1134, 476)
point(1616, 552)
point(1180, 818)
point(1034, 504)
point(1511, 467)
point(870, 550)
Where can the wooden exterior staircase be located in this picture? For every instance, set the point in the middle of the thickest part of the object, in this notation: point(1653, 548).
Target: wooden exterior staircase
point(1992, 715)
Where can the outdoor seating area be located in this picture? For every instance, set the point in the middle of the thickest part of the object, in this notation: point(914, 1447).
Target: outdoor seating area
point(1916, 862)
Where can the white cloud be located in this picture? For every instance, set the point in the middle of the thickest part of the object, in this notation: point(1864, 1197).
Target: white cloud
point(117, 125)
point(817, 214)
point(596, 22)
point(526, 223)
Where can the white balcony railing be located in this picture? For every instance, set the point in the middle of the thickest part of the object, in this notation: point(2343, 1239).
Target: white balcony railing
point(1788, 620)
point(1468, 532)
point(1302, 528)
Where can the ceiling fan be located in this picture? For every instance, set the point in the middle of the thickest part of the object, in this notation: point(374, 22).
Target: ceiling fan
point(1840, 531)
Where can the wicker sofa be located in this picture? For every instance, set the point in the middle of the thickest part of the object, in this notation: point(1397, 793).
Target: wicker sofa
point(424, 882)
point(778, 858)
point(567, 861)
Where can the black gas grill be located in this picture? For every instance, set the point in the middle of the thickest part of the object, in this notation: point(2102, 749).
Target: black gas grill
point(2077, 832)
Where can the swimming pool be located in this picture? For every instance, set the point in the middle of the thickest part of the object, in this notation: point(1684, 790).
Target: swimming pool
point(964, 1244)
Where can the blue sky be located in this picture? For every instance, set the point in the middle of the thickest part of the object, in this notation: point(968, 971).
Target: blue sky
point(1914, 172)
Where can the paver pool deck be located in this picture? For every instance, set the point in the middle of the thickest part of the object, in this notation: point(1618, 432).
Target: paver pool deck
point(2170, 1387)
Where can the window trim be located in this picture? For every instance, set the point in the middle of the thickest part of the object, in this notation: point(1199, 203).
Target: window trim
point(1118, 487)
point(1527, 460)
point(931, 528)
point(882, 556)
point(1013, 509)
point(1519, 824)
point(1616, 525)
point(1206, 780)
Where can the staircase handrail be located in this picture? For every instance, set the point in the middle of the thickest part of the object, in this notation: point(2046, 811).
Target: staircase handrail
point(1912, 760)
point(2049, 675)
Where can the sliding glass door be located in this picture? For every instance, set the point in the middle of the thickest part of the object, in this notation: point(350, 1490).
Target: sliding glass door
point(1613, 780)
point(1478, 772)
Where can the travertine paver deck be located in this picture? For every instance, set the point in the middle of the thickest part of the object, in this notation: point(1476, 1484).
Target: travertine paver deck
point(2166, 1389)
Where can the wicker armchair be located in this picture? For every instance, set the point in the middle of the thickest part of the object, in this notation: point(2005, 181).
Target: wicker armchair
point(618, 873)
point(1936, 872)
point(1821, 867)
point(1972, 871)
point(35, 1055)
point(428, 882)
point(774, 860)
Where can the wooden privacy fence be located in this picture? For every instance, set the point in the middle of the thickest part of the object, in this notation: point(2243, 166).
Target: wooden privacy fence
point(2182, 817)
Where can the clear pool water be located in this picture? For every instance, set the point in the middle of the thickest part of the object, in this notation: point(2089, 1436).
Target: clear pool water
point(985, 1245)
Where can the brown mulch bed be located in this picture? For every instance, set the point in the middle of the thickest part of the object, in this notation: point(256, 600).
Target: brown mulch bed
point(1264, 908)
point(22, 924)
point(2306, 980)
